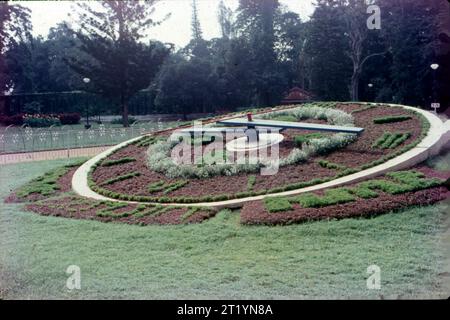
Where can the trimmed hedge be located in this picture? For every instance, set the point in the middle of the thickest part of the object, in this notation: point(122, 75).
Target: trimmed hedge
point(391, 119)
point(109, 163)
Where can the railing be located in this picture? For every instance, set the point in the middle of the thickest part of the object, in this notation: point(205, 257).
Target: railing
point(27, 139)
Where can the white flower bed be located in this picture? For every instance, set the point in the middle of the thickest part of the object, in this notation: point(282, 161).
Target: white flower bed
point(159, 154)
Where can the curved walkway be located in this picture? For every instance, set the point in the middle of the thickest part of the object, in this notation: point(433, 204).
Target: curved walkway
point(438, 136)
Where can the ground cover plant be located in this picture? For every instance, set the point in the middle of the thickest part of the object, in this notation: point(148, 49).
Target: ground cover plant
point(221, 182)
point(391, 119)
point(391, 140)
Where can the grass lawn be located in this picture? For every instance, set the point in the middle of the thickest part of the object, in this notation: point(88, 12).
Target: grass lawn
point(219, 258)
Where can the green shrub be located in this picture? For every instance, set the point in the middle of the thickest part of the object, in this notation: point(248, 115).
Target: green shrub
point(110, 209)
point(391, 119)
point(145, 141)
point(166, 187)
point(331, 165)
point(109, 163)
point(331, 197)
point(404, 181)
point(121, 178)
point(416, 180)
point(400, 139)
point(288, 118)
point(251, 182)
point(44, 185)
point(363, 192)
point(131, 120)
point(391, 140)
point(214, 157)
point(278, 204)
point(305, 138)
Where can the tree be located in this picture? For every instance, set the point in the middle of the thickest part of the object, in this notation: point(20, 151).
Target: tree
point(197, 33)
point(355, 15)
point(110, 34)
point(186, 86)
point(410, 31)
point(14, 25)
point(225, 17)
point(255, 23)
point(325, 53)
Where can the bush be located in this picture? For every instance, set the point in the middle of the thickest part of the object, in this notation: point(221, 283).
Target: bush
point(121, 178)
point(391, 119)
point(278, 204)
point(39, 121)
point(331, 197)
point(109, 163)
point(16, 120)
point(69, 118)
point(305, 138)
point(131, 120)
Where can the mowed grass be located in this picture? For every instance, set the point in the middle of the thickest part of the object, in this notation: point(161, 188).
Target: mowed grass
point(216, 259)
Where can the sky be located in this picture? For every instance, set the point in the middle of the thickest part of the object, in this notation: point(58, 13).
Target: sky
point(177, 29)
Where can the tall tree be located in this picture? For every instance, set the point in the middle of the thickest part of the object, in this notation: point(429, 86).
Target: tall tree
point(110, 34)
point(325, 52)
point(197, 33)
point(355, 13)
point(255, 24)
point(410, 30)
point(14, 25)
point(225, 17)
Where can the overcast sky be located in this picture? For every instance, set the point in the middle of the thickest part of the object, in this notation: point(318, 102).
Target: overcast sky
point(177, 29)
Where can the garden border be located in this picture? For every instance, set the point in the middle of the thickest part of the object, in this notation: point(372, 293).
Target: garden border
point(436, 138)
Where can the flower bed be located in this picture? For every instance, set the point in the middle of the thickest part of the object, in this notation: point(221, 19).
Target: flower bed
point(359, 155)
point(421, 186)
point(393, 192)
point(50, 195)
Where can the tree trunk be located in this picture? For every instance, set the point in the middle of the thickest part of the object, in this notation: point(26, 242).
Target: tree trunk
point(3, 107)
point(124, 106)
point(354, 87)
point(125, 121)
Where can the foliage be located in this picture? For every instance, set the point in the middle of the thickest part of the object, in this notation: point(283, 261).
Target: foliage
point(121, 178)
point(251, 182)
point(331, 165)
point(15, 24)
point(69, 118)
point(46, 184)
point(166, 187)
point(278, 204)
point(331, 197)
point(391, 119)
point(303, 139)
point(37, 120)
point(109, 163)
point(131, 120)
point(109, 35)
point(391, 140)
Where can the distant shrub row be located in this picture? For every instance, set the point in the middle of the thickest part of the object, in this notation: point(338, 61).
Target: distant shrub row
point(41, 120)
